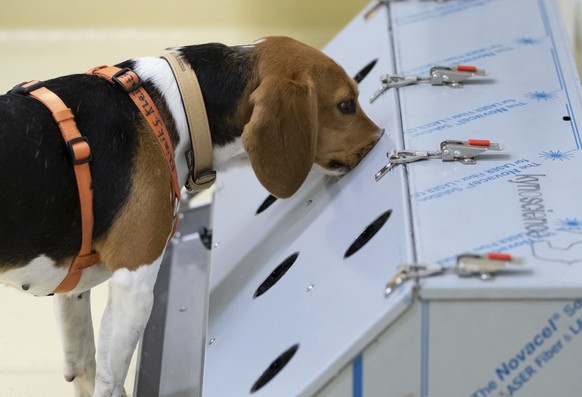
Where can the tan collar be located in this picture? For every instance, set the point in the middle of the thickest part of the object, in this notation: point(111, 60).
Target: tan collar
point(202, 175)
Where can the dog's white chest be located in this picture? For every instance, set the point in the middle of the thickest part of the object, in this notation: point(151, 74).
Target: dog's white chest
point(41, 276)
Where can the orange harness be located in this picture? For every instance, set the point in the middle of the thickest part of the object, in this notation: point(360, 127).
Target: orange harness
point(80, 153)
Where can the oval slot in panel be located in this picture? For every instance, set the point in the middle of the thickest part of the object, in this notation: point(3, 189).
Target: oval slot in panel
point(367, 234)
point(276, 366)
point(361, 75)
point(266, 204)
point(276, 275)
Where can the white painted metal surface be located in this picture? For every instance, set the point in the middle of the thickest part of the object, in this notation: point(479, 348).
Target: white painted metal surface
point(172, 347)
point(330, 306)
point(439, 340)
point(524, 200)
point(517, 335)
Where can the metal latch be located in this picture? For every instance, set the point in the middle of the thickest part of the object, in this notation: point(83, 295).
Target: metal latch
point(439, 75)
point(485, 267)
point(450, 150)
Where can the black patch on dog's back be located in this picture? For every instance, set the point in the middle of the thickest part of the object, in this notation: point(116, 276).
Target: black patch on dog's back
point(39, 200)
point(223, 73)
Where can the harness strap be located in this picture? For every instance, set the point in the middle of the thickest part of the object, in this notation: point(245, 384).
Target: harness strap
point(202, 176)
point(129, 81)
point(80, 153)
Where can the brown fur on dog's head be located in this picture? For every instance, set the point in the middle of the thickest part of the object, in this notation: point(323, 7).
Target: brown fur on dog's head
point(305, 111)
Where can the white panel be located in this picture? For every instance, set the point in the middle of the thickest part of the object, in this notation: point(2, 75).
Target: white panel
point(511, 349)
point(392, 365)
point(532, 86)
point(332, 307)
point(340, 385)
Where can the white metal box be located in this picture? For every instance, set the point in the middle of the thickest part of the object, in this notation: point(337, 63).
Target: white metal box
point(324, 326)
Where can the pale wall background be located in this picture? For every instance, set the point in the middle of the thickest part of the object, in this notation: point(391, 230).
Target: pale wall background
point(40, 39)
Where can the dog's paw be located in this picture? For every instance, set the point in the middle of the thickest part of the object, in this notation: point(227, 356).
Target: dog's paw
point(83, 384)
point(104, 388)
point(83, 380)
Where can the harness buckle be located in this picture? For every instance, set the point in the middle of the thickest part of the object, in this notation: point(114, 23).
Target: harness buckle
point(20, 90)
point(131, 80)
point(84, 152)
point(201, 181)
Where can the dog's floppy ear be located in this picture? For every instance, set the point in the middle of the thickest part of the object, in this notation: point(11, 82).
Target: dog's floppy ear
point(280, 137)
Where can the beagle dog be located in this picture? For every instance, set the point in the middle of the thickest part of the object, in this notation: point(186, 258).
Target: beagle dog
point(282, 104)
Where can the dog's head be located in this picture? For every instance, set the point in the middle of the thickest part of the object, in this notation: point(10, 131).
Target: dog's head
point(305, 111)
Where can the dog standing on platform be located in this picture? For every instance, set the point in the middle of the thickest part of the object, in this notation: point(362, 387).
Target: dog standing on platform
point(281, 104)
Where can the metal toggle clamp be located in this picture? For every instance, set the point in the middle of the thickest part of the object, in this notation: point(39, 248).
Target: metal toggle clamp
point(407, 272)
point(461, 151)
point(484, 266)
point(439, 75)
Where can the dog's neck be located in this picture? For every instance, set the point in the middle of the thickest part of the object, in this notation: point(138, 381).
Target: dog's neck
point(227, 147)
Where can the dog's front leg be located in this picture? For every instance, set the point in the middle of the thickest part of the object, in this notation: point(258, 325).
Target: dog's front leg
point(127, 312)
point(73, 313)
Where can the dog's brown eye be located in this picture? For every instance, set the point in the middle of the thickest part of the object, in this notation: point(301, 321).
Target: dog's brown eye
point(347, 107)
